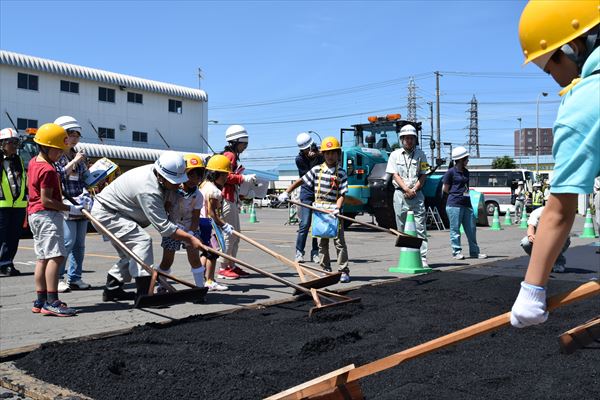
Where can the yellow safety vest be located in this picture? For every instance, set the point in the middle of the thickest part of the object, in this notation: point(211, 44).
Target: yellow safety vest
point(538, 196)
point(7, 201)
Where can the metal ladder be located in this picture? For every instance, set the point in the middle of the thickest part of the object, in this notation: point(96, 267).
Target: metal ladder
point(433, 215)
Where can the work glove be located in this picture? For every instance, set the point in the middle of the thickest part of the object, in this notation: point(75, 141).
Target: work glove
point(283, 197)
point(227, 228)
point(75, 210)
point(335, 212)
point(85, 200)
point(530, 306)
point(251, 178)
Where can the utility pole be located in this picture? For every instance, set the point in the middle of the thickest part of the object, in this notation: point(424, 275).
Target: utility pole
point(412, 101)
point(437, 95)
point(473, 138)
point(200, 77)
point(520, 144)
point(431, 140)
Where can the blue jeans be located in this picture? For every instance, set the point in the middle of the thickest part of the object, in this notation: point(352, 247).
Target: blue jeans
point(75, 231)
point(305, 215)
point(462, 216)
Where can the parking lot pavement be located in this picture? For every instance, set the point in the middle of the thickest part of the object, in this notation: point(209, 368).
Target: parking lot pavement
point(371, 254)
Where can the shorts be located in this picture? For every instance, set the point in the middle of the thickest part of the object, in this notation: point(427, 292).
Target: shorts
point(48, 234)
point(203, 234)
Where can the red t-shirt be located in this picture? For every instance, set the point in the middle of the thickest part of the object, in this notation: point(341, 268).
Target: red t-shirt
point(41, 175)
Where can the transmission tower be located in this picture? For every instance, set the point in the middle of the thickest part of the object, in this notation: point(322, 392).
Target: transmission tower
point(473, 139)
point(412, 101)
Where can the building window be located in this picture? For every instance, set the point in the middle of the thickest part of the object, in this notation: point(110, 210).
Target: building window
point(106, 133)
point(140, 136)
point(106, 94)
point(135, 98)
point(175, 106)
point(69, 87)
point(24, 123)
point(27, 81)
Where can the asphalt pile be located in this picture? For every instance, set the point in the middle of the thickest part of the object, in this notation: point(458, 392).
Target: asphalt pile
point(251, 354)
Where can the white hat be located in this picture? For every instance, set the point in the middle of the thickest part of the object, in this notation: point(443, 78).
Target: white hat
point(171, 166)
point(69, 123)
point(459, 153)
point(304, 141)
point(8, 133)
point(408, 130)
point(236, 133)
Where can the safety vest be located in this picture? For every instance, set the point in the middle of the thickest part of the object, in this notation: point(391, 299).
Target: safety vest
point(6, 198)
point(538, 196)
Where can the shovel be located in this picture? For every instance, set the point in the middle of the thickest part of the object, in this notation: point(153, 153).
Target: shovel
point(318, 282)
point(172, 295)
point(343, 383)
point(402, 239)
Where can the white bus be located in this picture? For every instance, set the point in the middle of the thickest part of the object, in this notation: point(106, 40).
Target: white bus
point(498, 186)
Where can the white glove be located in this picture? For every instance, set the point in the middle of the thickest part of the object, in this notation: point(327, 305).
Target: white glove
point(335, 212)
point(85, 200)
point(75, 210)
point(530, 306)
point(227, 228)
point(283, 197)
point(251, 178)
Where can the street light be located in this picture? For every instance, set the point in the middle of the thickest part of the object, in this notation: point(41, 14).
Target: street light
point(520, 144)
point(537, 135)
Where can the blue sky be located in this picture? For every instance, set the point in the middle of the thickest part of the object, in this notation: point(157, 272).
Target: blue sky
point(311, 61)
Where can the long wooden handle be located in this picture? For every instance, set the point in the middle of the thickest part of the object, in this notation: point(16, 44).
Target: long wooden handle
point(584, 291)
point(274, 254)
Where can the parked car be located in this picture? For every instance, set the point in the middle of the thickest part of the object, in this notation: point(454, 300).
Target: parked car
point(264, 202)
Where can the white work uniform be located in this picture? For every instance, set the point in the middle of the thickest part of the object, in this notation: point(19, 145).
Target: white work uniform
point(132, 202)
point(409, 166)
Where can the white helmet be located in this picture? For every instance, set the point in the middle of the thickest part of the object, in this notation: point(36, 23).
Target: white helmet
point(8, 133)
point(236, 133)
point(304, 141)
point(459, 152)
point(408, 130)
point(171, 166)
point(69, 123)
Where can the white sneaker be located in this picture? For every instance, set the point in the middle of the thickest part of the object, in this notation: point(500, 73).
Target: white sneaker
point(459, 256)
point(79, 285)
point(344, 278)
point(63, 287)
point(558, 268)
point(424, 262)
point(214, 286)
point(299, 257)
point(482, 256)
point(315, 257)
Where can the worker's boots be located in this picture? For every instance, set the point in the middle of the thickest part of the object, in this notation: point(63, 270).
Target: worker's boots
point(142, 284)
point(114, 290)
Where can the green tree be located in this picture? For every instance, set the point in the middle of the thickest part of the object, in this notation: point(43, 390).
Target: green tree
point(504, 162)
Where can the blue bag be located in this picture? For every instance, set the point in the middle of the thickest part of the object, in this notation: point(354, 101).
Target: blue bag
point(324, 225)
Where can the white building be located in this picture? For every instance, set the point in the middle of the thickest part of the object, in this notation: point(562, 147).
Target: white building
point(113, 109)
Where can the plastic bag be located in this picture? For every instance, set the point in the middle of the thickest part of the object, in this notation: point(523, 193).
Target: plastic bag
point(324, 225)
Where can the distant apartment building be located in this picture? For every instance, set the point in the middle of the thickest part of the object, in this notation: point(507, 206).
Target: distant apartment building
point(113, 109)
point(526, 142)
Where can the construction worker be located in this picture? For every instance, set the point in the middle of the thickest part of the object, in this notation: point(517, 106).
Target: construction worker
point(13, 200)
point(562, 39)
point(537, 197)
point(237, 141)
point(330, 185)
point(408, 167)
point(72, 169)
point(132, 202)
point(520, 198)
point(308, 157)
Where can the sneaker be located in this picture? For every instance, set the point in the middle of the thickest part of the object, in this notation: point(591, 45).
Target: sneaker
point(214, 286)
point(117, 294)
point(63, 287)
point(79, 284)
point(37, 306)
point(299, 257)
point(344, 278)
point(314, 256)
point(558, 268)
point(161, 289)
point(9, 270)
point(227, 273)
point(326, 269)
point(241, 273)
point(459, 256)
point(58, 309)
point(481, 256)
point(424, 262)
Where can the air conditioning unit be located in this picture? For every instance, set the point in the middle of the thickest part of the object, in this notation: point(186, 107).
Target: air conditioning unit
point(122, 127)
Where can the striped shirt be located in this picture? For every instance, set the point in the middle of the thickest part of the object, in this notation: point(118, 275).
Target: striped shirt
point(327, 184)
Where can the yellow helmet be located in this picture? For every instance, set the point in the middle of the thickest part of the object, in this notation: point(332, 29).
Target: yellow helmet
point(219, 163)
point(51, 135)
point(330, 143)
point(549, 24)
point(193, 161)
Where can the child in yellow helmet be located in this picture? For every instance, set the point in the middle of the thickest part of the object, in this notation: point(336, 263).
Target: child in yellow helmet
point(561, 37)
